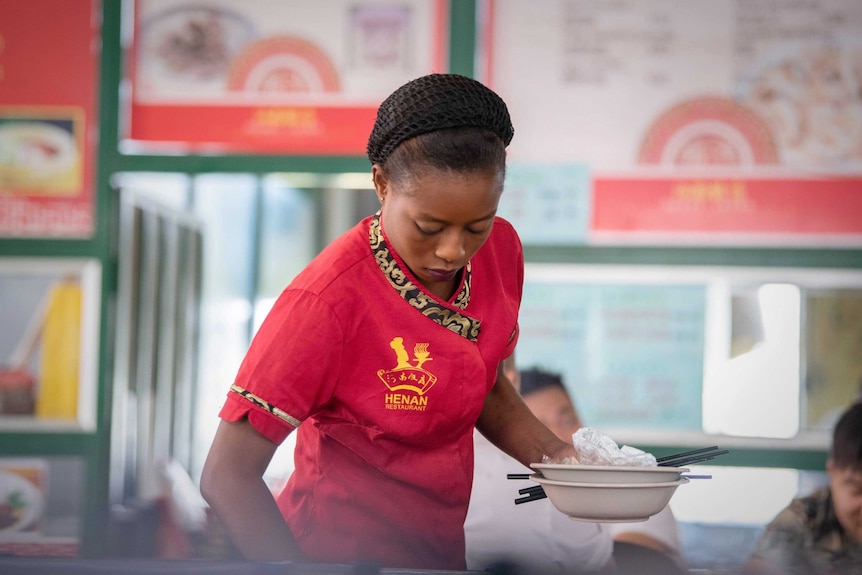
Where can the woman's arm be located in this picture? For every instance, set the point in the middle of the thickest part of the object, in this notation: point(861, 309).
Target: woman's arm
point(510, 425)
point(232, 483)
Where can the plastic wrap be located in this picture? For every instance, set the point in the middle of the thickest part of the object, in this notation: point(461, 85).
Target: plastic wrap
point(596, 448)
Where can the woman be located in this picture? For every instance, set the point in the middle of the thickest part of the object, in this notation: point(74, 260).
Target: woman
point(385, 352)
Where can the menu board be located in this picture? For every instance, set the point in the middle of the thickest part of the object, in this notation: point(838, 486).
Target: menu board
point(631, 354)
point(547, 203)
point(272, 76)
point(698, 121)
point(48, 127)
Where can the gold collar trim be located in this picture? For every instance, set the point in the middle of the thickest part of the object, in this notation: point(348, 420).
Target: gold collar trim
point(449, 318)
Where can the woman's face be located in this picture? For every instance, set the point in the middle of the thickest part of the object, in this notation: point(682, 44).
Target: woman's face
point(437, 221)
point(846, 485)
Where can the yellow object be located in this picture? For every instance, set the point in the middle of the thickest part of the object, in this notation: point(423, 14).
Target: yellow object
point(57, 396)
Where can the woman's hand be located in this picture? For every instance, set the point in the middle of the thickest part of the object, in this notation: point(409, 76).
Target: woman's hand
point(565, 454)
point(232, 483)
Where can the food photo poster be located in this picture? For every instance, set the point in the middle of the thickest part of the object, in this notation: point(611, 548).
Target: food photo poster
point(274, 77)
point(48, 125)
point(49, 344)
point(694, 122)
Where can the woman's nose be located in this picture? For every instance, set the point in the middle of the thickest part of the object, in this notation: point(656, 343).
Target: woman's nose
point(451, 247)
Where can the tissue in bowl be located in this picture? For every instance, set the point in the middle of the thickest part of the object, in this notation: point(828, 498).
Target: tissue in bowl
point(601, 460)
point(596, 448)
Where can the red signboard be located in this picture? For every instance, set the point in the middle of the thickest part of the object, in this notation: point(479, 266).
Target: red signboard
point(745, 129)
point(258, 128)
point(809, 210)
point(275, 77)
point(49, 55)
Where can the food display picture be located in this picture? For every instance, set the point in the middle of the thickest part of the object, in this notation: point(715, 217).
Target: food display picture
point(48, 125)
point(23, 488)
point(281, 77)
point(732, 122)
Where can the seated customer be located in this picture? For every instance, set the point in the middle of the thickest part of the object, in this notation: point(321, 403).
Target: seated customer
point(650, 546)
point(552, 540)
point(532, 537)
point(820, 534)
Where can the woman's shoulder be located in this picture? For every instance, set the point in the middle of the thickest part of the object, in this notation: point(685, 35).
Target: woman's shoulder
point(504, 226)
point(341, 261)
point(504, 242)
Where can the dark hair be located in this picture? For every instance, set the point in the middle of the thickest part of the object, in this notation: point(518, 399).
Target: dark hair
point(535, 379)
point(846, 451)
point(463, 150)
point(441, 121)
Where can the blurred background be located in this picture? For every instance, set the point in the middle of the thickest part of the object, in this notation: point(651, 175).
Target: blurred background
point(686, 177)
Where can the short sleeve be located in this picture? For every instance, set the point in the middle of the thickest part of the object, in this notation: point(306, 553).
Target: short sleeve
point(291, 367)
point(513, 341)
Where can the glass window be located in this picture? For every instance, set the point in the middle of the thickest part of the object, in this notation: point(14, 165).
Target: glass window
point(668, 354)
point(287, 235)
point(751, 388)
point(225, 205)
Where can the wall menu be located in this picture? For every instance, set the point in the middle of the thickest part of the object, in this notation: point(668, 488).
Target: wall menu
point(737, 121)
point(547, 203)
point(632, 355)
point(48, 81)
point(275, 77)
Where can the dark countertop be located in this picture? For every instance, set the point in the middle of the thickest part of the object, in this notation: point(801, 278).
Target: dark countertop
point(54, 566)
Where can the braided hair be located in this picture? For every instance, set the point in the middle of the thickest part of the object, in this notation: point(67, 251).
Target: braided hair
point(441, 121)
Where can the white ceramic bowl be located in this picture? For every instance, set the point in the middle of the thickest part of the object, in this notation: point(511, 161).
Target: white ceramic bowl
point(609, 502)
point(608, 473)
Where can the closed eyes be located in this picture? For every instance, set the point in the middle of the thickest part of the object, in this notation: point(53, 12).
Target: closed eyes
point(427, 232)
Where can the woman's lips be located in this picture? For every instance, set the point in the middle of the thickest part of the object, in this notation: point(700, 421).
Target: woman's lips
point(442, 275)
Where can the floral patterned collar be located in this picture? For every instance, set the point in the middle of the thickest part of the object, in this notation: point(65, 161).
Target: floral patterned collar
point(449, 318)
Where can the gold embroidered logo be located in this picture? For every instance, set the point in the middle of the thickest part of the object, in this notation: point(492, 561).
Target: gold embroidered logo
point(408, 377)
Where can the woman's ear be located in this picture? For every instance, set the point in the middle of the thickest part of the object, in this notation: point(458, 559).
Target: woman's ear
point(381, 182)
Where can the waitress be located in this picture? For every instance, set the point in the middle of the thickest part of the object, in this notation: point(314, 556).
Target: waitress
point(385, 353)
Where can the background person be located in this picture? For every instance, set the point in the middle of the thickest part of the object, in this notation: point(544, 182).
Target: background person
point(537, 534)
point(384, 353)
point(820, 534)
point(533, 537)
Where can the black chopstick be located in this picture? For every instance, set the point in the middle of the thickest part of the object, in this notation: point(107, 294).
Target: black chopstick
point(534, 496)
point(532, 493)
point(693, 459)
point(530, 490)
point(686, 453)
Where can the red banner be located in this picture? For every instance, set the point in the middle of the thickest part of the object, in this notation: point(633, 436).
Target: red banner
point(285, 78)
point(287, 129)
point(49, 56)
point(805, 209)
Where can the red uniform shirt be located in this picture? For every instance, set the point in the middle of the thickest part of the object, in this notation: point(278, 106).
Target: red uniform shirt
point(387, 383)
